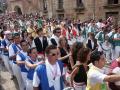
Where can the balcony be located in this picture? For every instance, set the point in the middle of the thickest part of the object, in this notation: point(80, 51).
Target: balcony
point(60, 10)
point(112, 5)
point(79, 8)
point(60, 7)
point(45, 11)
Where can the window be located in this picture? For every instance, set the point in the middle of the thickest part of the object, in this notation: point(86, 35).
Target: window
point(79, 3)
point(112, 1)
point(44, 5)
point(60, 4)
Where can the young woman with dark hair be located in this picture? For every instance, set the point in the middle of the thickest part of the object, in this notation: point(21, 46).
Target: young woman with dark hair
point(79, 75)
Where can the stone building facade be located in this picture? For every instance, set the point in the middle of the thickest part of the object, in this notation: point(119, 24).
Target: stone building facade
point(82, 9)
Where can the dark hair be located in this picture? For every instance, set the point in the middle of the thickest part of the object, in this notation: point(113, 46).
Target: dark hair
point(49, 48)
point(22, 34)
point(82, 54)
point(75, 48)
point(100, 20)
point(30, 50)
point(22, 42)
point(31, 37)
point(56, 29)
point(2, 34)
point(95, 56)
point(15, 34)
point(39, 30)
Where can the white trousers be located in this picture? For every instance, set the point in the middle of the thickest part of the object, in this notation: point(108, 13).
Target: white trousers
point(7, 64)
point(17, 73)
point(79, 87)
point(29, 85)
point(24, 78)
point(117, 51)
point(113, 54)
point(108, 55)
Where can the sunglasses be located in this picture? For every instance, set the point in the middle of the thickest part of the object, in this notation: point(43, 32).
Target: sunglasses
point(53, 54)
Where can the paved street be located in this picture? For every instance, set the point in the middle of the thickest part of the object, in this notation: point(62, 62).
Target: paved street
point(5, 82)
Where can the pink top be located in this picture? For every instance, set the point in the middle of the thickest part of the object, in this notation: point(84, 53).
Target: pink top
point(114, 64)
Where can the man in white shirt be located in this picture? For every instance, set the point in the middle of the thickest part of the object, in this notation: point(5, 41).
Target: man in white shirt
point(40, 42)
point(49, 76)
point(55, 37)
point(20, 59)
point(96, 77)
point(117, 43)
point(14, 49)
point(5, 55)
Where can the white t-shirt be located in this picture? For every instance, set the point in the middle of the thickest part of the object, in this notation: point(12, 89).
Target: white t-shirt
point(96, 76)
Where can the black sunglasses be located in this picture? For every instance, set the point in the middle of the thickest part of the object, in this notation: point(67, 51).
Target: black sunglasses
point(53, 54)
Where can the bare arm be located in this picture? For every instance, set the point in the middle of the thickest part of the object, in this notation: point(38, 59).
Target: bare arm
point(71, 61)
point(20, 62)
point(33, 65)
point(62, 58)
point(112, 78)
point(74, 72)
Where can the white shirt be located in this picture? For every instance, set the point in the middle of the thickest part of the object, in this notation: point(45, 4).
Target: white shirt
point(117, 35)
point(56, 39)
point(79, 39)
point(11, 50)
point(96, 76)
point(7, 42)
point(110, 33)
point(97, 35)
point(18, 56)
point(105, 47)
point(49, 68)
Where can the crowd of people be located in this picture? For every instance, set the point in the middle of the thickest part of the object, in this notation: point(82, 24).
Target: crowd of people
point(55, 54)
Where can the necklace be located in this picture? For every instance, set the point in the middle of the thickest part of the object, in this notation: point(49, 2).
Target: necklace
point(53, 70)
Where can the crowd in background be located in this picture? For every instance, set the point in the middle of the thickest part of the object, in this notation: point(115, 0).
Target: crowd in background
point(57, 54)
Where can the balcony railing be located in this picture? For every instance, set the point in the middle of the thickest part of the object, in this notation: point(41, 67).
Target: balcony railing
point(108, 5)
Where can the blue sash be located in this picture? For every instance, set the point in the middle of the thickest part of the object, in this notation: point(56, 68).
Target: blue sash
point(42, 75)
point(5, 44)
point(14, 46)
point(30, 72)
point(22, 67)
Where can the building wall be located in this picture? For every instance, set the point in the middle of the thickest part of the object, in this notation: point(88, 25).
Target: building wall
point(27, 6)
point(69, 8)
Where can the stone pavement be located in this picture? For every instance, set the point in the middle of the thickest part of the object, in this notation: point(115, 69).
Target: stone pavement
point(5, 82)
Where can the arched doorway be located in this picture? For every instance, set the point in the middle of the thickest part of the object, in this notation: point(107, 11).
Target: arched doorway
point(18, 10)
